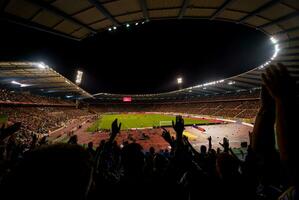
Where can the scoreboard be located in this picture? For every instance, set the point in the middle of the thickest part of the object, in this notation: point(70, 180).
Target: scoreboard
point(127, 99)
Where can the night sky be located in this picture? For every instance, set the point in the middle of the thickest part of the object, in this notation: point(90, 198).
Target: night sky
point(145, 58)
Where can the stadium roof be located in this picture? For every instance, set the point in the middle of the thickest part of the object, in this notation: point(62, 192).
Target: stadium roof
point(38, 78)
point(248, 81)
point(78, 19)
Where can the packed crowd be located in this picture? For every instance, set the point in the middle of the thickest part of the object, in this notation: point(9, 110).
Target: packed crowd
point(12, 96)
point(113, 171)
point(38, 121)
point(234, 108)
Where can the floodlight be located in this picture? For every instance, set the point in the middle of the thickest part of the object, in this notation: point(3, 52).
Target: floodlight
point(127, 25)
point(277, 47)
point(179, 80)
point(20, 84)
point(114, 27)
point(41, 65)
point(273, 40)
point(79, 77)
point(136, 23)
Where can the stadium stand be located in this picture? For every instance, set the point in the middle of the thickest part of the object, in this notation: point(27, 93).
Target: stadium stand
point(38, 170)
point(27, 98)
point(31, 168)
point(231, 106)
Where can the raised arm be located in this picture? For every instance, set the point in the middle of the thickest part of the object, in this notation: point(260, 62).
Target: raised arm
point(262, 137)
point(179, 127)
point(100, 157)
point(282, 88)
point(210, 143)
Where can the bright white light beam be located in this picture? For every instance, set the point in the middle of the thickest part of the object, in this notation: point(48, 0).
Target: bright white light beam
point(79, 77)
point(179, 80)
point(20, 84)
point(273, 40)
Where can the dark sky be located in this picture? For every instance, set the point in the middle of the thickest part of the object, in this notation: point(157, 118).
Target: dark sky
point(145, 58)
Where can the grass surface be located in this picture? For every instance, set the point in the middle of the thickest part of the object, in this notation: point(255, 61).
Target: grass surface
point(3, 119)
point(138, 121)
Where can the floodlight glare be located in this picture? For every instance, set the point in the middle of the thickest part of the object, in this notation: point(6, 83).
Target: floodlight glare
point(276, 47)
point(136, 23)
point(127, 25)
point(20, 84)
point(41, 65)
point(15, 82)
point(179, 80)
point(273, 40)
point(114, 27)
point(109, 29)
point(79, 77)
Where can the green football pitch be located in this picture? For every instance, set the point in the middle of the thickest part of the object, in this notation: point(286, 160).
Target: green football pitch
point(139, 121)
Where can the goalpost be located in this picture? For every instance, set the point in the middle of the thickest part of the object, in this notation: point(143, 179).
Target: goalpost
point(165, 123)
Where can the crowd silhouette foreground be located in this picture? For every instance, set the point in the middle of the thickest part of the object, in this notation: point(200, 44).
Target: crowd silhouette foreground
point(69, 171)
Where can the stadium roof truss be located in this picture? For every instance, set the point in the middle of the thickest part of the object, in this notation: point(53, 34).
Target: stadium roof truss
point(38, 78)
point(78, 19)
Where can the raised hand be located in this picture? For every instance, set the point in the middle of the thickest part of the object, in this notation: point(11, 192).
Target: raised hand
point(210, 142)
point(225, 144)
point(267, 102)
point(166, 135)
point(115, 128)
point(278, 82)
point(250, 136)
point(178, 126)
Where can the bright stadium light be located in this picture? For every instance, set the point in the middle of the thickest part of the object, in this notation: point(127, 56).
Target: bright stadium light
point(41, 65)
point(20, 84)
point(127, 25)
point(136, 23)
point(179, 80)
point(109, 29)
point(273, 40)
point(15, 82)
point(114, 27)
point(277, 47)
point(79, 77)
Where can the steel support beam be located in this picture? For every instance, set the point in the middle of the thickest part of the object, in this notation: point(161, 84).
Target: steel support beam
point(221, 9)
point(104, 11)
point(183, 8)
point(281, 19)
point(33, 25)
point(143, 6)
point(260, 9)
point(60, 13)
